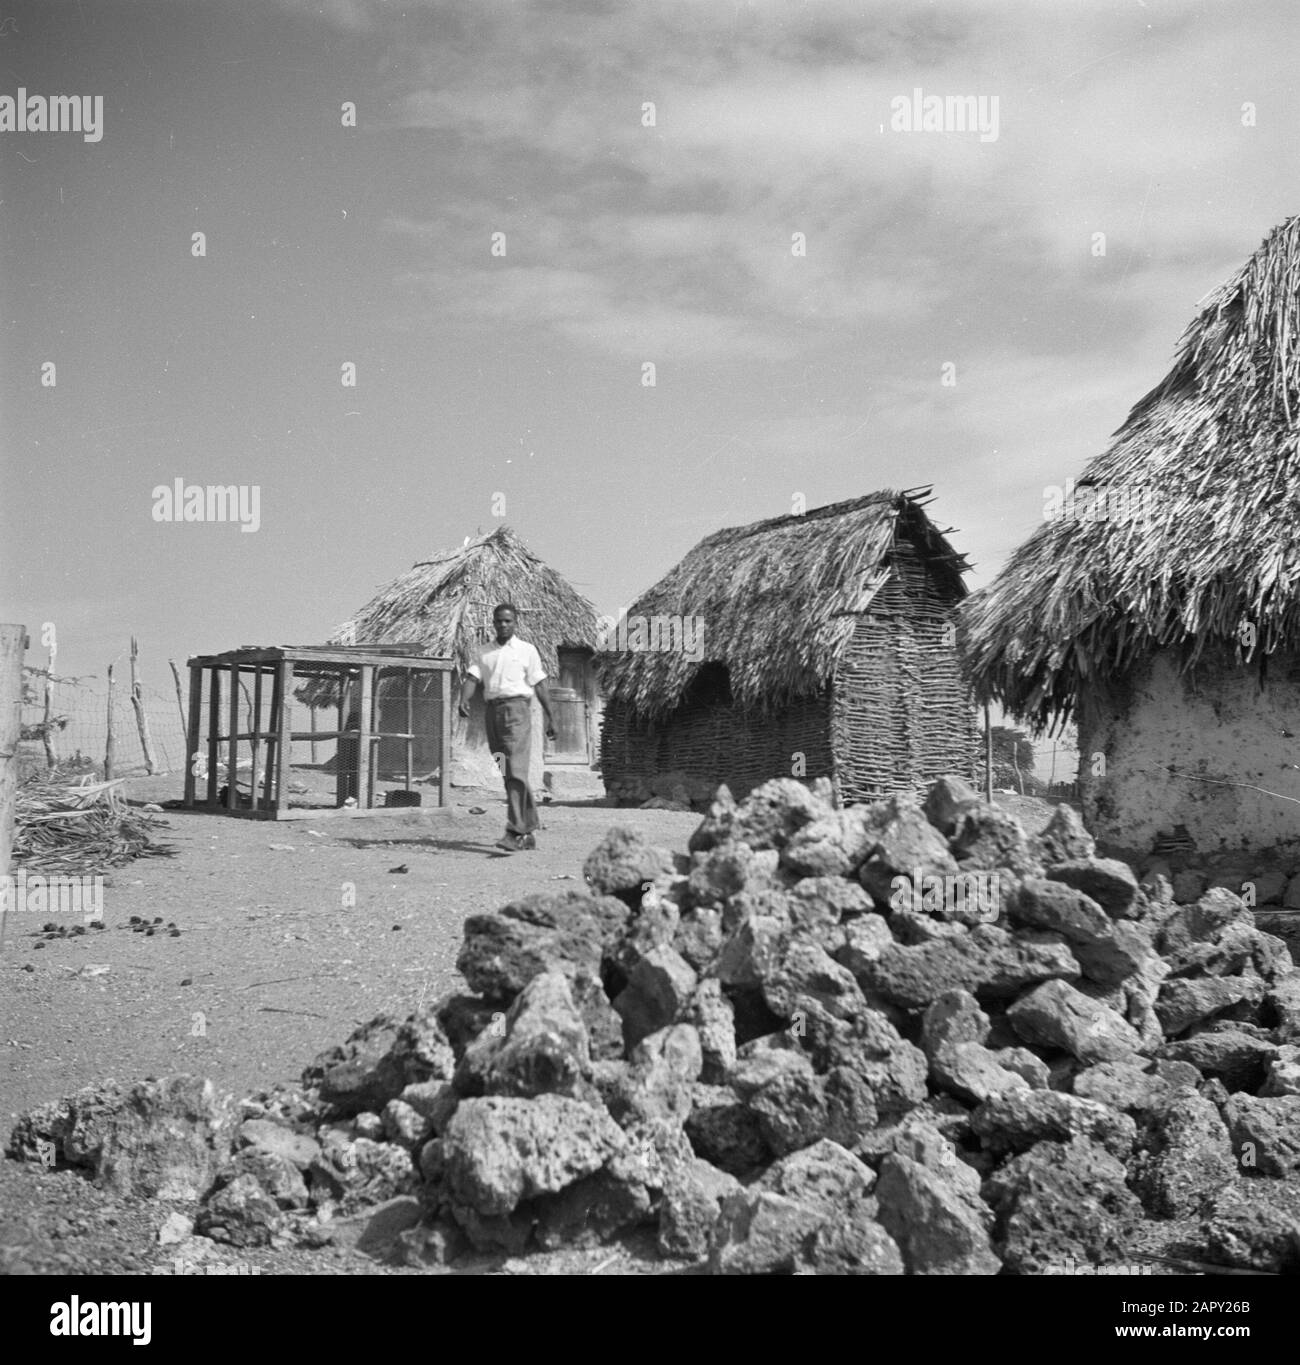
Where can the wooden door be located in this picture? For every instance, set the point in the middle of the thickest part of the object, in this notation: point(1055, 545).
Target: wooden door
point(569, 701)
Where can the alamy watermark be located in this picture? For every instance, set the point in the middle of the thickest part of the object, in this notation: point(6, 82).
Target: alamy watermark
point(55, 894)
point(968, 896)
point(26, 113)
point(180, 1266)
point(1117, 502)
point(922, 113)
point(1069, 1266)
point(652, 634)
point(71, 1317)
point(210, 502)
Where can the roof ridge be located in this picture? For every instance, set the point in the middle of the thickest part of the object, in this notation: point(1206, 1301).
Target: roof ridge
point(826, 511)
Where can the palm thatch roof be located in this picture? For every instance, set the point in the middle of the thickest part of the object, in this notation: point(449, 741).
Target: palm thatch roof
point(445, 604)
point(1215, 446)
point(779, 601)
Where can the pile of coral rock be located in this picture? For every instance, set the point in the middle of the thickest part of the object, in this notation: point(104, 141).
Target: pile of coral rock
point(765, 1055)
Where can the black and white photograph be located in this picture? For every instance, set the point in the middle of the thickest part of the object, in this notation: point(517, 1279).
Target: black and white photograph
point(649, 638)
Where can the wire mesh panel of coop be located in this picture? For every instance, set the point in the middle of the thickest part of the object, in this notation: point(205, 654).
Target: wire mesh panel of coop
point(282, 728)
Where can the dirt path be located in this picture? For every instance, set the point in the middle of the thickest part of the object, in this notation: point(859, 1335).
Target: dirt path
point(291, 935)
point(279, 965)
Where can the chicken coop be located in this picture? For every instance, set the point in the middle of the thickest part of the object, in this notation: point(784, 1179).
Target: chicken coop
point(246, 757)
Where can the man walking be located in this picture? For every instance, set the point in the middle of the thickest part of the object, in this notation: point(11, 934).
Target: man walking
point(510, 672)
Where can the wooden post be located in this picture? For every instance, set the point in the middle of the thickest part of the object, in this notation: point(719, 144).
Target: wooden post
point(256, 730)
point(988, 756)
point(13, 642)
point(51, 758)
point(191, 728)
point(248, 728)
point(444, 738)
point(364, 748)
point(410, 729)
point(270, 779)
point(341, 792)
point(372, 771)
point(141, 720)
point(232, 743)
point(110, 740)
point(180, 704)
point(589, 707)
point(214, 730)
point(284, 748)
point(314, 728)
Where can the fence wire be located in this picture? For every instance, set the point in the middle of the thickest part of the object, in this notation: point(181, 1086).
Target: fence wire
point(78, 737)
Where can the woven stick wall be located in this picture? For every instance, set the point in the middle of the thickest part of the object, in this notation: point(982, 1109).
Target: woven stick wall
point(902, 714)
point(713, 743)
point(785, 600)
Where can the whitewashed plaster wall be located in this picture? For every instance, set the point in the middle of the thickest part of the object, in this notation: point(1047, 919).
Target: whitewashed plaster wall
point(1161, 731)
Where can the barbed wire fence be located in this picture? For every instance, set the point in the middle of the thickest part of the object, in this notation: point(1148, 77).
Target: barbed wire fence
point(72, 729)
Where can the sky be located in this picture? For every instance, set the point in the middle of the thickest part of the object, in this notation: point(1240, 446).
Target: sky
point(648, 164)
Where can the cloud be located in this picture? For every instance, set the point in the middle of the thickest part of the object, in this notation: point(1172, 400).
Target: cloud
point(591, 310)
point(352, 16)
point(672, 242)
point(654, 285)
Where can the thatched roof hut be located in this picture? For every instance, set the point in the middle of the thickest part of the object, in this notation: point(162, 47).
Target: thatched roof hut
point(804, 645)
point(445, 604)
point(1202, 576)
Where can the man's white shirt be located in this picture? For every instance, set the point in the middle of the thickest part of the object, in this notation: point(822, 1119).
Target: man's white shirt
point(509, 670)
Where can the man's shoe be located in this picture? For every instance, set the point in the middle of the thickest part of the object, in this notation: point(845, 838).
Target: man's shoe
point(511, 843)
point(527, 841)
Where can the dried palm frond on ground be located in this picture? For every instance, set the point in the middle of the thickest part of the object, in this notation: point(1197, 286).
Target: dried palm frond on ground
point(60, 827)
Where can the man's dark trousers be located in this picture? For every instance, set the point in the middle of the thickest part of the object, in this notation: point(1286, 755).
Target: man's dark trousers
point(509, 724)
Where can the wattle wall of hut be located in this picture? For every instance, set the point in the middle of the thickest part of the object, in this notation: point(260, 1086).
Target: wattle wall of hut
point(901, 712)
point(896, 714)
point(1162, 747)
point(704, 743)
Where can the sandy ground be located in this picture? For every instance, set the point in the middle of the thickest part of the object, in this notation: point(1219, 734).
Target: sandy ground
point(271, 965)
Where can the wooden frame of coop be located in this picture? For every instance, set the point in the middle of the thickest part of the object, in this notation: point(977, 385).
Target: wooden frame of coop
point(256, 674)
